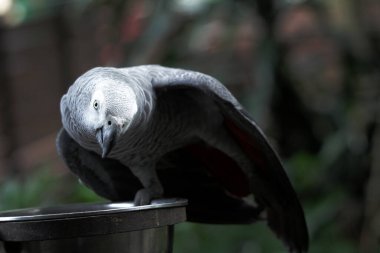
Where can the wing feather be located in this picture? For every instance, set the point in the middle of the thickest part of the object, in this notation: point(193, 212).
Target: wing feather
point(106, 177)
point(270, 184)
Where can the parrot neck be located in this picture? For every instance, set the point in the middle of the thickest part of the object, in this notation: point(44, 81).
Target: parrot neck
point(145, 101)
point(141, 120)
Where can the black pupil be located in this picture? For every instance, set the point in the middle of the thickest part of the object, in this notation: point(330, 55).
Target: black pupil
point(109, 123)
point(96, 105)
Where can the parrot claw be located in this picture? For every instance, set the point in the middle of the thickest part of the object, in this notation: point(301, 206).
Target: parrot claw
point(143, 197)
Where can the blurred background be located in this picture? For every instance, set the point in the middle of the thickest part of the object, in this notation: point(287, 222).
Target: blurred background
point(308, 71)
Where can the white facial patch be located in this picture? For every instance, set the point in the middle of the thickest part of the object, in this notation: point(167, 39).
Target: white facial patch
point(114, 100)
point(95, 112)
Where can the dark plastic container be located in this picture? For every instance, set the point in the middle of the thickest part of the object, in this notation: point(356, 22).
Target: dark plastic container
point(106, 227)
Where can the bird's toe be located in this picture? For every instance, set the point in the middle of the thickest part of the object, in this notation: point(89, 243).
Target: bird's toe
point(143, 197)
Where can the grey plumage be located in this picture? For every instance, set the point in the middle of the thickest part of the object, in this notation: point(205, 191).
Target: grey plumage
point(157, 121)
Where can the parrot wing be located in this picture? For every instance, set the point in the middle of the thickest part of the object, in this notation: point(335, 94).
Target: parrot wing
point(208, 201)
point(106, 177)
point(270, 184)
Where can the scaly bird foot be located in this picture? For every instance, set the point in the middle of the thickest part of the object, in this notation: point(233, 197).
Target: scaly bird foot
point(144, 197)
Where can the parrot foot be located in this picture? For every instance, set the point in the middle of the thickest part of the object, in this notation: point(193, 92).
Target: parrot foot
point(144, 197)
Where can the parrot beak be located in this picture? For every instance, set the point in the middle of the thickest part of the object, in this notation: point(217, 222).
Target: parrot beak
point(106, 138)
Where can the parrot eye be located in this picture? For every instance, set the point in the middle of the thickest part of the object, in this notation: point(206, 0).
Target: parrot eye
point(96, 104)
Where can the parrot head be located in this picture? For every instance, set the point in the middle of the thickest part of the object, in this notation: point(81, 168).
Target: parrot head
point(98, 108)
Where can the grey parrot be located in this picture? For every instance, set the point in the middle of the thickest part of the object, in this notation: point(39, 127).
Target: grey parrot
point(150, 131)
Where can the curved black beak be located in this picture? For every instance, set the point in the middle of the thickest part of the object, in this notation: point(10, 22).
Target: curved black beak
point(106, 138)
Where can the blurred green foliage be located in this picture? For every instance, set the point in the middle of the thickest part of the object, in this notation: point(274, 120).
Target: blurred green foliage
point(43, 188)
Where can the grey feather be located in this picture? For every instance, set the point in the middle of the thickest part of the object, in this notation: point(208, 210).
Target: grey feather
point(136, 116)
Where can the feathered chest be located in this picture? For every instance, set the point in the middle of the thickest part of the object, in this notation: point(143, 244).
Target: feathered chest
point(168, 128)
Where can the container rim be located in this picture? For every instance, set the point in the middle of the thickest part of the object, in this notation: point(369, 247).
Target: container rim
point(82, 210)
